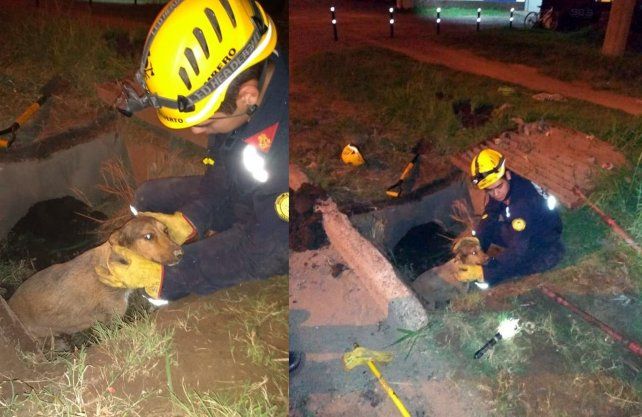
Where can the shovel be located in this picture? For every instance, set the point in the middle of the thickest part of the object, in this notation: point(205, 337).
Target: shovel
point(52, 86)
point(363, 356)
point(395, 189)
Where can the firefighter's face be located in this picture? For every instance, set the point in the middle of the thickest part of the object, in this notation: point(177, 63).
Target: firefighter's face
point(499, 190)
point(221, 122)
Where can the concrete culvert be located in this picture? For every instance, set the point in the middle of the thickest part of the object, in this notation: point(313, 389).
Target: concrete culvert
point(422, 248)
point(417, 236)
point(53, 231)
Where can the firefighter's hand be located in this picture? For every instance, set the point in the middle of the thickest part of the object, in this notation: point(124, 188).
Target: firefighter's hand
point(179, 227)
point(469, 273)
point(133, 271)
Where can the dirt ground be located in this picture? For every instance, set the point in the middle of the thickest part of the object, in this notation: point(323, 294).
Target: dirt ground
point(329, 312)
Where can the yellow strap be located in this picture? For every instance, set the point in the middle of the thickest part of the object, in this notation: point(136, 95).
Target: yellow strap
point(391, 393)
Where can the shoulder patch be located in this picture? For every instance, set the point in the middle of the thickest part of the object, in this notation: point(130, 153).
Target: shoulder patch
point(519, 224)
point(282, 206)
point(263, 139)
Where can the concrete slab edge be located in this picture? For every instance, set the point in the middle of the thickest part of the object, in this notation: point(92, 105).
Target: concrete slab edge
point(373, 269)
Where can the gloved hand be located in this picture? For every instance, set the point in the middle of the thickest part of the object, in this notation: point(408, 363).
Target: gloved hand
point(468, 273)
point(179, 227)
point(137, 272)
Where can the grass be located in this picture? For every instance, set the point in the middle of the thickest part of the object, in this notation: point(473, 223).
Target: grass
point(70, 395)
point(251, 315)
point(570, 56)
point(133, 348)
point(396, 111)
point(549, 345)
point(252, 401)
point(459, 12)
point(13, 273)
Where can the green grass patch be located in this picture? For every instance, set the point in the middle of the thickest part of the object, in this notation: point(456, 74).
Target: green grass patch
point(570, 56)
point(70, 395)
point(459, 12)
point(39, 43)
point(133, 347)
point(549, 343)
point(392, 101)
point(252, 401)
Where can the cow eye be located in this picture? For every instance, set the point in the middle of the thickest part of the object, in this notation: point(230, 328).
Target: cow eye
point(148, 236)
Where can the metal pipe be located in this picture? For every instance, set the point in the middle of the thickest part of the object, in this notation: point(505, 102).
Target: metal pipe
point(632, 345)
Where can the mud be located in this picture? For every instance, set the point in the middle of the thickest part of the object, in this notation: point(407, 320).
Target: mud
point(306, 229)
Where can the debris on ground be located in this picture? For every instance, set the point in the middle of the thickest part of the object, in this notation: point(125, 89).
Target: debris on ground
point(469, 117)
point(549, 97)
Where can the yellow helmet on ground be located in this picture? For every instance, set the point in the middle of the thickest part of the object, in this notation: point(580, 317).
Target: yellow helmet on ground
point(487, 168)
point(194, 50)
point(351, 156)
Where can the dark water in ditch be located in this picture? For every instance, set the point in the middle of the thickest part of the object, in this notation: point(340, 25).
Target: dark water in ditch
point(423, 247)
point(52, 231)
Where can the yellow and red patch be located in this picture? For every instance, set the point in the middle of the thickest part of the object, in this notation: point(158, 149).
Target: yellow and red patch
point(263, 139)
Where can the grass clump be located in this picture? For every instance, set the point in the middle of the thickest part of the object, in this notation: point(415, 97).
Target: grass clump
point(252, 401)
point(72, 394)
point(133, 348)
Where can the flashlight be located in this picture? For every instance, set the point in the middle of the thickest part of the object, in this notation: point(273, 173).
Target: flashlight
point(507, 329)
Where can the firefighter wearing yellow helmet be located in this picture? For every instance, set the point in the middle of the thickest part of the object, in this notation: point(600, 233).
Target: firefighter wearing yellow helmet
point(213, 66)
point(519, 217)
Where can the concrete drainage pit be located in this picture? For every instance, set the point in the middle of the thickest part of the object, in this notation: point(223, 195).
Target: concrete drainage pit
point(43, 219)
point(416, 235)
point(53, 231)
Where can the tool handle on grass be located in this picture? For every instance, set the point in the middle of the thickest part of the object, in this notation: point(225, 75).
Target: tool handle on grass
point(27, 114)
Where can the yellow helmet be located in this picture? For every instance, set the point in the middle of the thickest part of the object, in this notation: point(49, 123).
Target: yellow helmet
point(351, 156)
point(487, 168)
point(194, 50)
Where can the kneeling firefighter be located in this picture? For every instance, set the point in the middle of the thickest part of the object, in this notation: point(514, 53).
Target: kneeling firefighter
point(213, 66)
point(519, 217)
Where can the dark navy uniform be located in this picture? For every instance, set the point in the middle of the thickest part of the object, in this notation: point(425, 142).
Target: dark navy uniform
point(250, 239)
point(529, 231)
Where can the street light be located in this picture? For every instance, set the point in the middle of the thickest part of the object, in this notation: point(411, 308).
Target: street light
point(392, 22)
point(478, 18)
point(510, 21)
point(438, 19)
